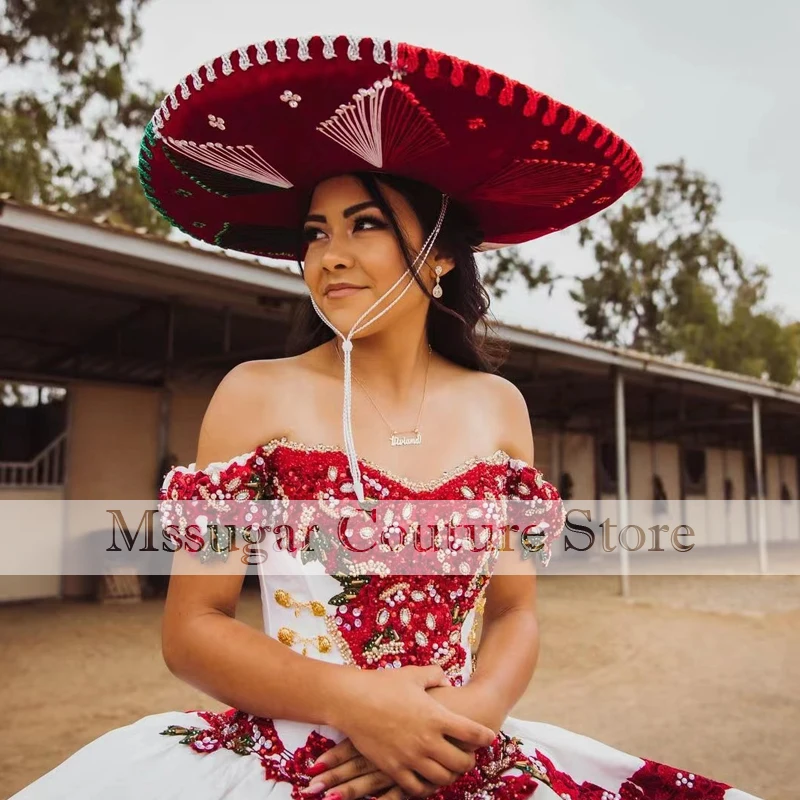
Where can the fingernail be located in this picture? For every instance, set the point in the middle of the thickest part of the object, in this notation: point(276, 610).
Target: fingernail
point(315, 787)
point(317, 769)
point(332, 796)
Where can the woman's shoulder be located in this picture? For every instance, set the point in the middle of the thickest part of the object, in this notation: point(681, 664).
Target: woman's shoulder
point(501, 402)
point(247, 407)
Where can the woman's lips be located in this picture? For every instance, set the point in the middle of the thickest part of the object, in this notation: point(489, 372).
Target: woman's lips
point(343, 292)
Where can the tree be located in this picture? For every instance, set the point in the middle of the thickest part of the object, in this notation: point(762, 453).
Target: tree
point(70, 114)
point(668, 282)
point(498, 269)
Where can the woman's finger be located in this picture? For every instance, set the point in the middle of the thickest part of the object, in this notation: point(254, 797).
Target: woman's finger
point(363, 785)
point(337, 755)
point(336, 777)
point(434, 773)
point(415, 785)
point(395, 793)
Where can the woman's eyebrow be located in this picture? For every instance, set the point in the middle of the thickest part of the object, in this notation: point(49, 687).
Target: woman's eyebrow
point(348, 212)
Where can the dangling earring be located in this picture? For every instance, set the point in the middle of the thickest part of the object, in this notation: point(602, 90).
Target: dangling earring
point(437, 290)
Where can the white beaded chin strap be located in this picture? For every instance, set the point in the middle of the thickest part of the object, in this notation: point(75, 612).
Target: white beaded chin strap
point(347, 348)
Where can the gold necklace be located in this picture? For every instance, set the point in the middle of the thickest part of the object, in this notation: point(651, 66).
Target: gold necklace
point(397, 438)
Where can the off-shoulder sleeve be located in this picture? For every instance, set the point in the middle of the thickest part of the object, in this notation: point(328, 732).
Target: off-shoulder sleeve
point(536, 507)
point(223, 494)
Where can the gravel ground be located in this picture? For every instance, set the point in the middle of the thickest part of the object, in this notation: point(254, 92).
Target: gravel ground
point(701, 673)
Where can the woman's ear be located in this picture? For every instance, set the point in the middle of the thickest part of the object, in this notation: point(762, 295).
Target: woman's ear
point(441, 260)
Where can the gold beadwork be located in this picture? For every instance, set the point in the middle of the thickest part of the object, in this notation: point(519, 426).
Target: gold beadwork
point(476, 621)
point(265, 450)
point(290, 638)
point(393, 589)
point(284, 599)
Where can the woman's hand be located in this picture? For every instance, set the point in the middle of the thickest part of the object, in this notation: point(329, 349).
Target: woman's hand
point(403, 732)
point(474, 700)
point(350, 775)
point(347, 775)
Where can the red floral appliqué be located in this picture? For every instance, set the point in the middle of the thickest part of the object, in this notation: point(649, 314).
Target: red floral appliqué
point(656, 781)
point(247, 735)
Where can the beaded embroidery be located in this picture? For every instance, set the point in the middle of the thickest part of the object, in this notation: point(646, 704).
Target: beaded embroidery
point(376, 620)
point(247, 735)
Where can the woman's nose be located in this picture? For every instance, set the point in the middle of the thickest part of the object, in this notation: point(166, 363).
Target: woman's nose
point(336, 255)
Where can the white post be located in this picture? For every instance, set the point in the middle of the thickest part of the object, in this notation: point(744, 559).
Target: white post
point(761, 524)
point(622, 475)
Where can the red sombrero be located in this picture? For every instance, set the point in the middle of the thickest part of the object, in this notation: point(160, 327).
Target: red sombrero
point(232, 152)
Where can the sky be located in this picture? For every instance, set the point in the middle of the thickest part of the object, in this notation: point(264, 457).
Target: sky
point(711, 81)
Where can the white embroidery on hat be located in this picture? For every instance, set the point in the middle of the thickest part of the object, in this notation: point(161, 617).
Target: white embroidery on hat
point(359, 126)
point(280, 49)
point(328, 49)
point(302, 48)
point(352, 50)
point(543, 183)
point(379, 54)
point(216, 122)
point(240, 160)
point(379, 50)
point(261, 53)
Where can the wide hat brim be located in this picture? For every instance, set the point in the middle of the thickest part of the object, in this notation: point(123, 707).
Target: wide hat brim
point(232, 154)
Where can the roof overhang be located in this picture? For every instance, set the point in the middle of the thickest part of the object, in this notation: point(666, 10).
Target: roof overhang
point(55, 245)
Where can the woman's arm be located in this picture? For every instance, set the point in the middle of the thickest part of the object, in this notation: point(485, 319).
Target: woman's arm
point(509, 645)
point(202, 642)
point(509, 650)
point(387, 713)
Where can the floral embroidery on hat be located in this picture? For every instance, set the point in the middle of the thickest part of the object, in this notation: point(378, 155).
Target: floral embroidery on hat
point(291, 98)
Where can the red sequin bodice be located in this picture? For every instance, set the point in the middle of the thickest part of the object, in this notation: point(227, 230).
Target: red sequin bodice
point(357, 611)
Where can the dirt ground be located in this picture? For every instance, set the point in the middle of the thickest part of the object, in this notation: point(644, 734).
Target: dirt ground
point(701, 673)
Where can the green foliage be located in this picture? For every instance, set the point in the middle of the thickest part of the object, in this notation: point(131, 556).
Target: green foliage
point(71, 131)
point(669, 282)
point(500, 269)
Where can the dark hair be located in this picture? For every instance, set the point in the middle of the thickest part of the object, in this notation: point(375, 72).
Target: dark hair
point(457, 325)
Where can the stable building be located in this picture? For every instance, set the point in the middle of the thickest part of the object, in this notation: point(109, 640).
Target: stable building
point(121, 339)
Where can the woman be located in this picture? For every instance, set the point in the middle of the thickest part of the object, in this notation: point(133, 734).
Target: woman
point(395, 307)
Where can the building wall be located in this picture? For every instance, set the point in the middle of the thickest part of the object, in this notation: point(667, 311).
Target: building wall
point(112, 454)
point(113, 441)
point(647, 459)
point(663, 458)
point(188, 406)
point(48, 555)
point(578, 449)
point(790, 513)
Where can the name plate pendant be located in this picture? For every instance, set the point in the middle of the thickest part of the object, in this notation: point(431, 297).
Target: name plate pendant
point(404, 439)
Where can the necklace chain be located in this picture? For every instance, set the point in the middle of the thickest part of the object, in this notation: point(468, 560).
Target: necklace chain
point(397, 438)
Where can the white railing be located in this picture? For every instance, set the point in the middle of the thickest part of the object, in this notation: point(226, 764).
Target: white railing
point(45, 470)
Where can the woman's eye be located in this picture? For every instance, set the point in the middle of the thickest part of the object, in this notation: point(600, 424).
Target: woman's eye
point(369, 221)
point(310, 234)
